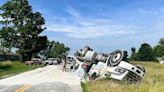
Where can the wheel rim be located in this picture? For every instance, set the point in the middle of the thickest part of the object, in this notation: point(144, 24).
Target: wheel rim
point(116, 58)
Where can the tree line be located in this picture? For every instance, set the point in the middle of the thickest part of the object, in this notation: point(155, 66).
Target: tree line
point(22, 28)
point(148, 53)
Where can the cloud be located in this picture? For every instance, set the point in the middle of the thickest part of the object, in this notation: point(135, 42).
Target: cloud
point(92, 31)
point(89, 33)
point(92, 22)
point(143, 11)
point(146, 12)
point(72, 11)
point(60, 28)
point(78, 26)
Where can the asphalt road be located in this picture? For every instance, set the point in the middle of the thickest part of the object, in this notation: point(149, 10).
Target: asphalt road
point(47, 79)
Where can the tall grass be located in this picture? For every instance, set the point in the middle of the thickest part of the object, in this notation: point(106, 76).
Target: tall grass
point(152, 82)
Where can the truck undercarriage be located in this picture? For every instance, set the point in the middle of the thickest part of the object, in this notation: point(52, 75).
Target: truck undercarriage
point(89, 65)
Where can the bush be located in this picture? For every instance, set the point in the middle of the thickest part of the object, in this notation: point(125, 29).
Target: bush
point(6, 64)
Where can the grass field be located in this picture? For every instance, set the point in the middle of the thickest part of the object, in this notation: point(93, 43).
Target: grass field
point(152, 82)
point(15, 67)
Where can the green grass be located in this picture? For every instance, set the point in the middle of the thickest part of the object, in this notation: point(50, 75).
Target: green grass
point(152, 82)
point(15, 67)
point(84, 87)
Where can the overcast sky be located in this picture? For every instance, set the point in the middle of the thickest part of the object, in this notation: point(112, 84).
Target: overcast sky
point(104, 25)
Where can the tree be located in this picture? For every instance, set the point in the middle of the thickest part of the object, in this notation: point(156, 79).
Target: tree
point(134, 54)
point(55, 50)
point(133, 50)
point(60, 50)
point(47, 52)
point(159, 49)
point(161, 42)
point(145, 53)
point(21, 28)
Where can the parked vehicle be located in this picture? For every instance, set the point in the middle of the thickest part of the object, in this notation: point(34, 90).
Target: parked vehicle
point(161, 60)
point(34, 61)
point(50, 61)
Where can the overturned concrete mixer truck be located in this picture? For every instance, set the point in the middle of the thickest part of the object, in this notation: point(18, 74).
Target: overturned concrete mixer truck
point(89, 65)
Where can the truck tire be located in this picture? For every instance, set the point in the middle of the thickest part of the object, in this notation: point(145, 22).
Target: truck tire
point(116, 57)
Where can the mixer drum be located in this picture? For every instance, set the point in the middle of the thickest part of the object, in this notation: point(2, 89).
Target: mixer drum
point(90, 56)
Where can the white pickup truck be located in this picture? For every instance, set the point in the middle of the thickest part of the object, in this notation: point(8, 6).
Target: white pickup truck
point(50, 61)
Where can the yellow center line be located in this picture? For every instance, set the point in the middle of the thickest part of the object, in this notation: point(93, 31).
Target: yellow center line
point(23, 88)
